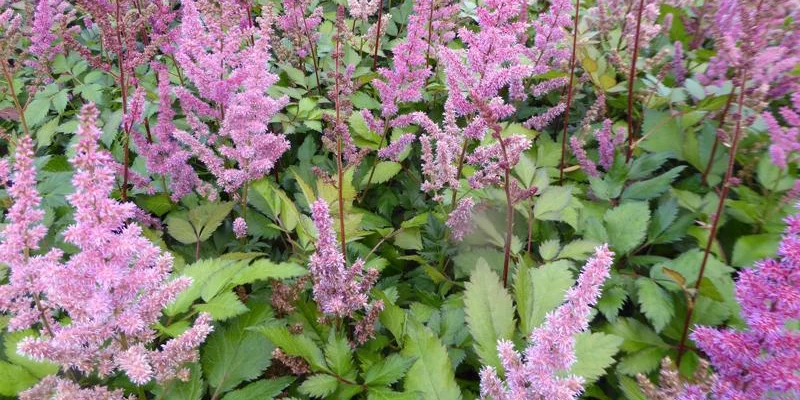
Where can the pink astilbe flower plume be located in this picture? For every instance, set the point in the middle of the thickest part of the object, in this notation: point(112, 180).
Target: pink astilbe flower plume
point(164, 155)
point(300, 26)
point(232, 77)
point(539, 372)
point(338, 290)
point(113, 289)
point(762, 360)
point(785, 140)
point(19, 240)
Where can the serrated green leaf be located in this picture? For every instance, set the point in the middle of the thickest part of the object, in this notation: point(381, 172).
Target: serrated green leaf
point(751, 248)
point(432, 373)
point(233, 354)
point(224, 306)
point(578, 249)
point(376, 393)
point(549, 283)
point(664, 216)
point(611, 301)
point(626, 226)
point(158, 204)
point(489, 313)
point(339, 357)
point(637, 335)
point(14, 379)
point(181, 229)
point(552, 201)
point(36, 111)
point(594, 352)
point(652, 188)
point(549, 249)
point(260, 390)
point(319, 385)
point(208, 217)
point(263, 269)
point(384, 171)
point(388, 371)
point(642, 362)
point(656, 303)
point(296, 345)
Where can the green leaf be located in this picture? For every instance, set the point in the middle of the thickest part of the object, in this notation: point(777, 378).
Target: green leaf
point(200, 272)
point(578, 249)
point(44, 136)
point(637, 335)
point(339, 357)
point(36, 111)
point(626, 226)
point(224, 306)
point(645, 165)
point(158, 204)
point(549, 249)
point(60, 100)
point(295, 345)
point(409, 239)
point(376, 393)
point(489, 313)
point(611, 301)
point(664, 216)
point(595, 352)
point(14, 379)
point(548, 285)
point(432, 373)
point(233, 354)
point(208, 217)
point(553, 200)
point(656, 303)
point(751, 248)
point(264, 269)
point(652, 188)
point(642, 362)
point(319, 385)
point(260, 390)
point(181, 230)
point(384, 171)
point(387, 371)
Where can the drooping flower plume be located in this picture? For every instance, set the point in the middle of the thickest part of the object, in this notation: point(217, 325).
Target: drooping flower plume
point(539, 373)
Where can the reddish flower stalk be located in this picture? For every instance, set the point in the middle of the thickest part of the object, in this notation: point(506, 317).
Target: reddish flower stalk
point(123, 84)
point(631, 77)
point(509, 207)
point(569, 93)
point(715, 221)
point(339, 162)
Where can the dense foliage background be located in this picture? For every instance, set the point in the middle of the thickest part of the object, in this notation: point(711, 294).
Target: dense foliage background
point(369, 196)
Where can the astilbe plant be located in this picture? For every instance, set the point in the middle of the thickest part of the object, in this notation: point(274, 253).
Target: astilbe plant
point(762, 360)
point(539, 372)
point(228, 63)
point(95, 310)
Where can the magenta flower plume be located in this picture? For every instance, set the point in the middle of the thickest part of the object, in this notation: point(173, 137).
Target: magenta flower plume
point(539, 373)
point(397, 147)
point(300, 26)
point(165, 155)
point(114, 288)
point(338, 290)
point(762, 360)
point(232, 77)
point(460, 220)
point(19, 240)
point(785, 140)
